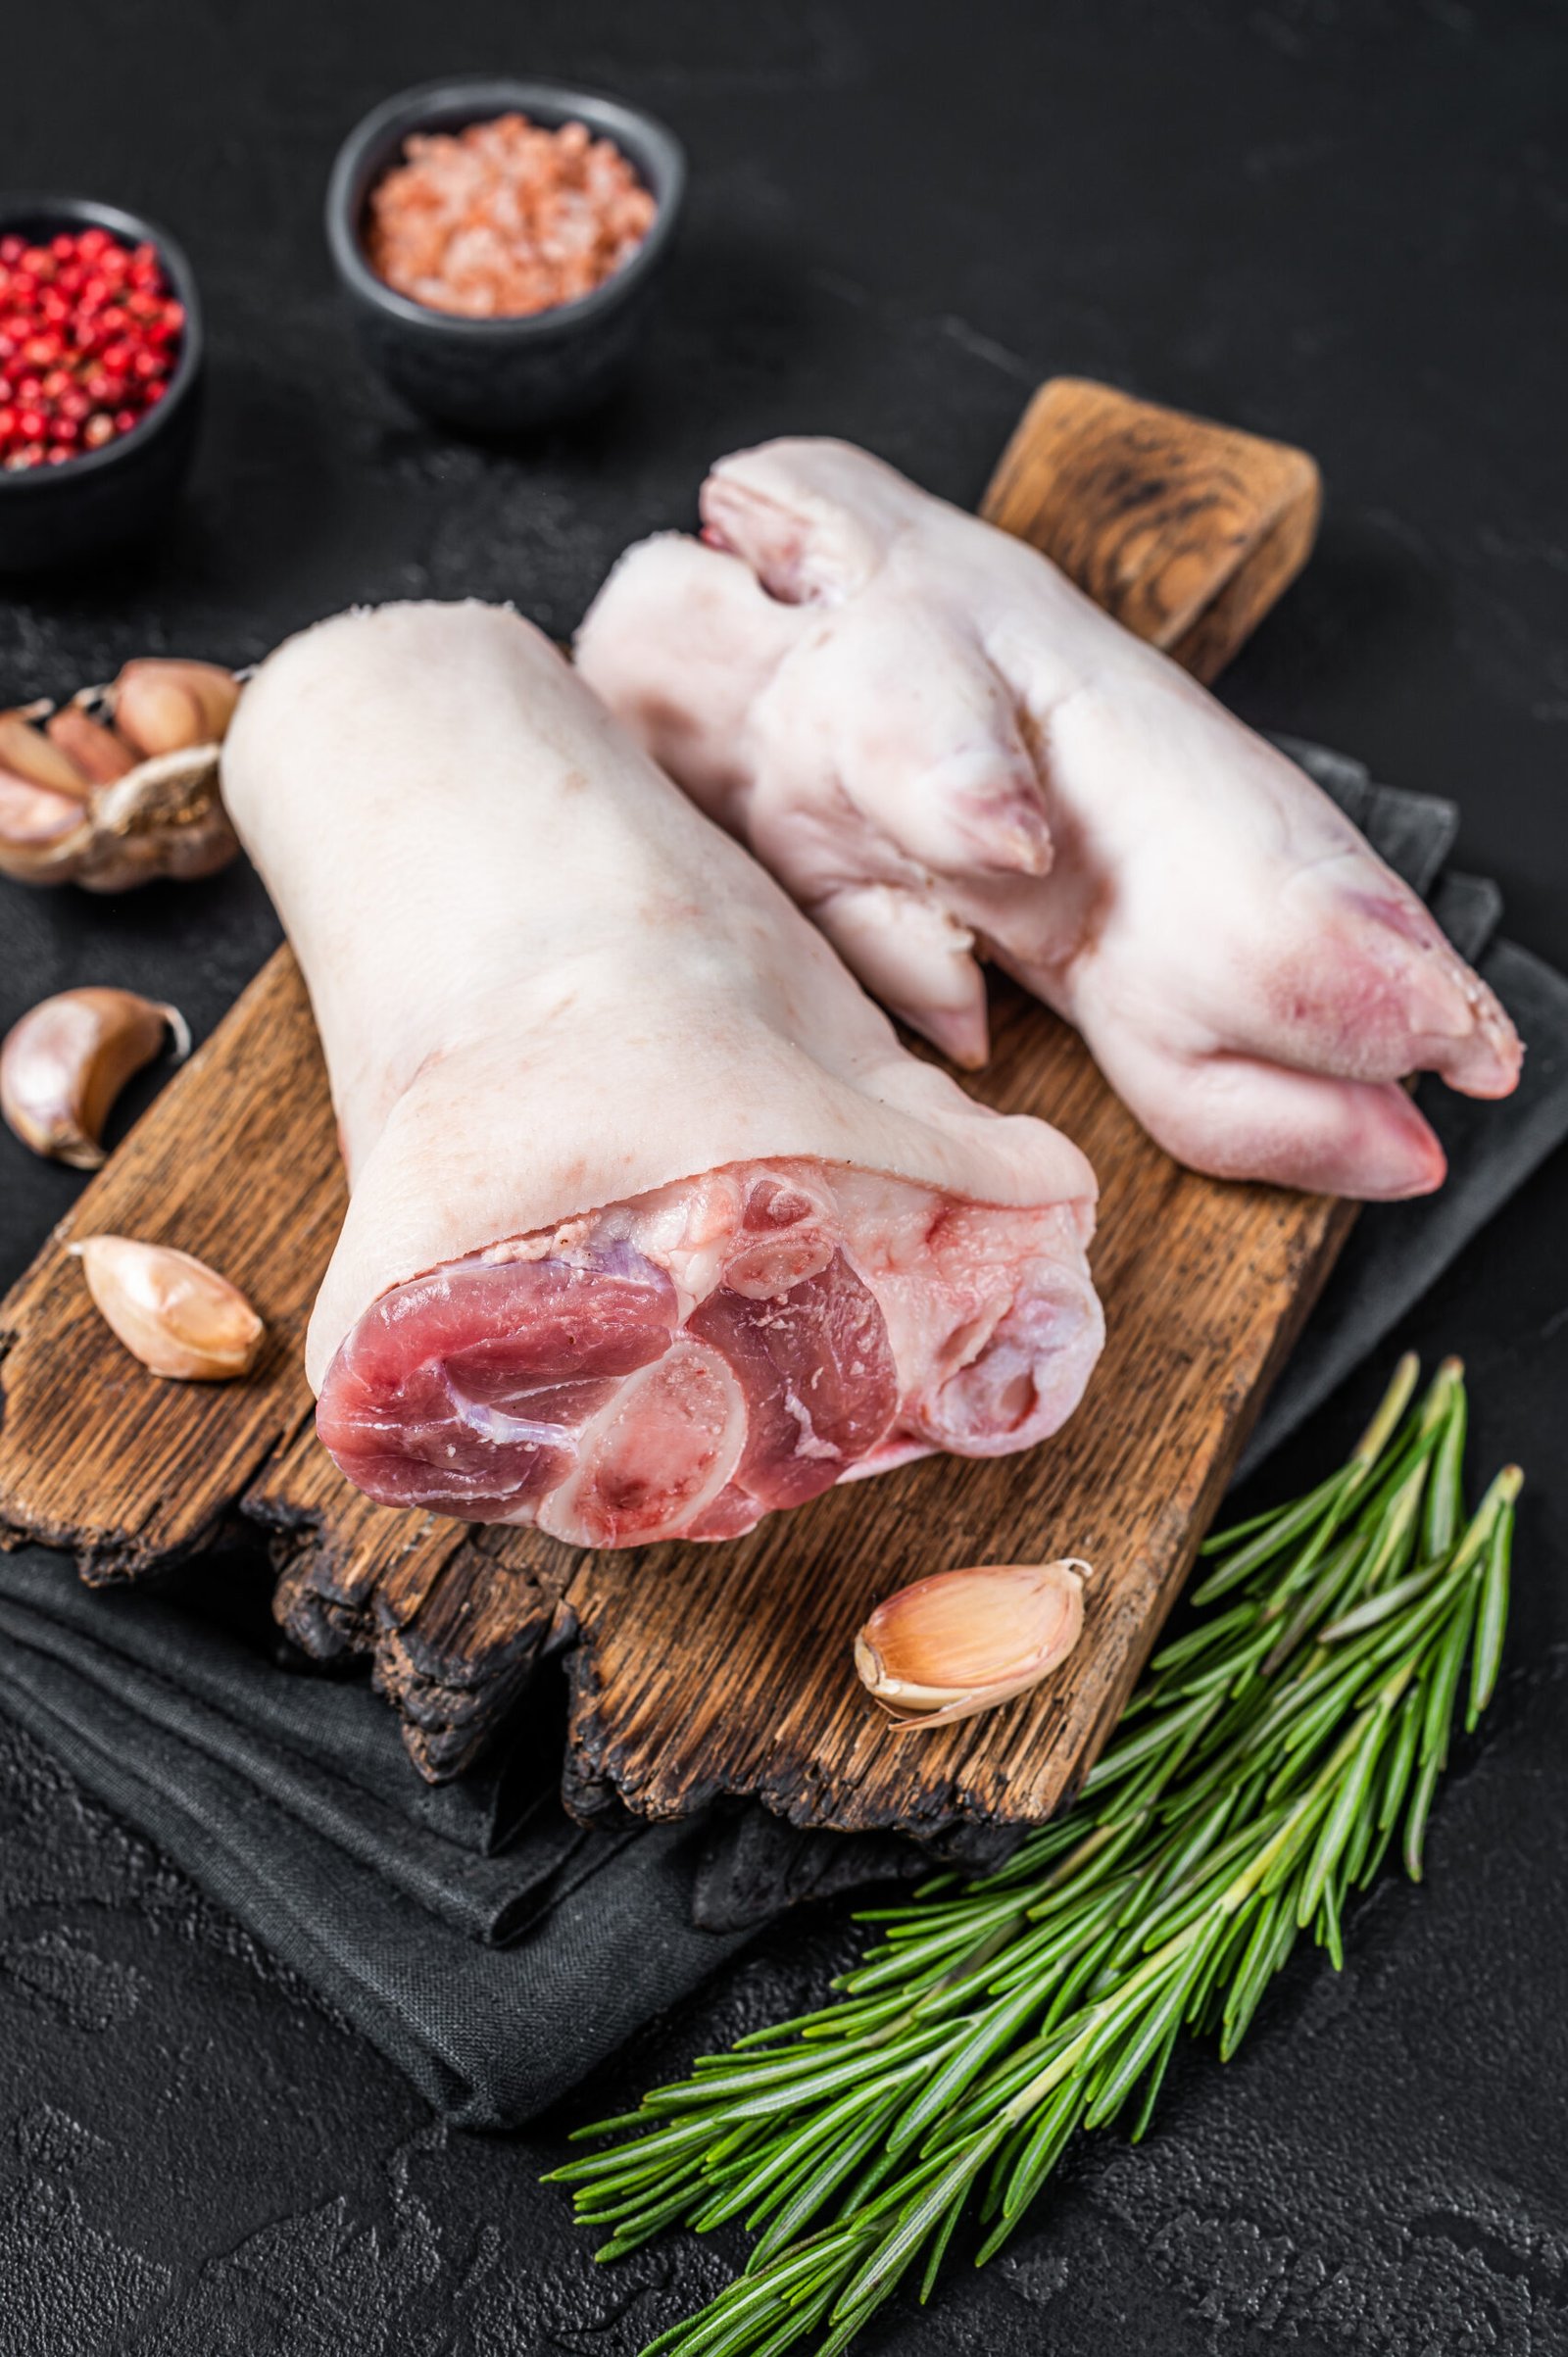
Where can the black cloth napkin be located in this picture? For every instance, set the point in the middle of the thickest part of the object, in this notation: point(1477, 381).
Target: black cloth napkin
point(488, 1946)
point(1397, 1250)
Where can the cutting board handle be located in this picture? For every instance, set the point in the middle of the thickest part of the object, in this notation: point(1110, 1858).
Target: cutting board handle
point(1186, 532)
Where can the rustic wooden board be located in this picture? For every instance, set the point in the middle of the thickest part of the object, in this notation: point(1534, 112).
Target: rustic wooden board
point(700, 1671)
point(1186, 531)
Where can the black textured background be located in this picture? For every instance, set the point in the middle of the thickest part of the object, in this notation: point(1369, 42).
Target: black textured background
point(1343, 223)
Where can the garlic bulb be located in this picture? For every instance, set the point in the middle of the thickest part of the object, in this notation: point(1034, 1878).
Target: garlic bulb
point(179, 1317)
point(65, 1060)
point(120, 784)
point(961, 1642)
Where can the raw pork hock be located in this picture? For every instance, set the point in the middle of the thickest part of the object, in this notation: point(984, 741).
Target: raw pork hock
point(654, 1225)
point(946, 751)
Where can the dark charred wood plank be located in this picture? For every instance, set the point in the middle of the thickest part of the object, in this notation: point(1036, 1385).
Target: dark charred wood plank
point(458, 1663)
point(338, 1553)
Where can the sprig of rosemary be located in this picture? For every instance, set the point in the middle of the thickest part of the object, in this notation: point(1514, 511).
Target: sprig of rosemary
point(1269, 1758)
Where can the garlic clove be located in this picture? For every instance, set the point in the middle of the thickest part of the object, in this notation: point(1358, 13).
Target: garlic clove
point(43, 797)
point(98, 753)
point(164, 705)
point(33, 759)
point(961, 1642)
point(179, 1317)
point(35, 823)
point(65, 1060)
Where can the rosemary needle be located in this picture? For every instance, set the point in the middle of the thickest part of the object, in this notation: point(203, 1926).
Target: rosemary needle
point(1271, 1755)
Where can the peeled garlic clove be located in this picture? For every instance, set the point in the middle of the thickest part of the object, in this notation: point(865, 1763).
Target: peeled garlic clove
point(98, 753)
point(179, 1317)
point(961, 1642)
point(67, 1059)
point(163, 705)
point(33, 759)
point(43, 797)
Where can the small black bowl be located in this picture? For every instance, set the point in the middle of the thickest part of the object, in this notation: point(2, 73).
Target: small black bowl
point(55, 516)
point(501, 375)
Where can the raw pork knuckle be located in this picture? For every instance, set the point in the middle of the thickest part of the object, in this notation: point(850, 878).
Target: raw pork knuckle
point(654, 1225)
point(946, 752)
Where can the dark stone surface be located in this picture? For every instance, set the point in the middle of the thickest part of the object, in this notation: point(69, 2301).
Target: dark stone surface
point(1347, 226)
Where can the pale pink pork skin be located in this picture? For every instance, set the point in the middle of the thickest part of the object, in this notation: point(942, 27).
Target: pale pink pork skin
point(654, 1224)
point(946, 752)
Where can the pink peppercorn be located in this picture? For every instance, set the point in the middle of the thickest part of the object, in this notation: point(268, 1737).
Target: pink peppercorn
point(90, 338)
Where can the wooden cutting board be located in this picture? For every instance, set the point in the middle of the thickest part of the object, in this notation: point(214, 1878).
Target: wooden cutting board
point(699, 1671)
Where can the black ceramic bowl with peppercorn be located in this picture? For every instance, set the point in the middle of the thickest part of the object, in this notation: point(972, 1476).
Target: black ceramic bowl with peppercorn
point(537, 356)
point(100, 372)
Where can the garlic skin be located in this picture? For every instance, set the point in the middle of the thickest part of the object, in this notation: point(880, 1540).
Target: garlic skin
point(179, 1317)
point(961, 1642)
point(65, 1061)
point(41, 828)
point(120, 784)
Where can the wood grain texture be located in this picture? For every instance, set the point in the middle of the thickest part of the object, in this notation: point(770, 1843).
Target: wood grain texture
point(1188, 532)
point(700, 1671)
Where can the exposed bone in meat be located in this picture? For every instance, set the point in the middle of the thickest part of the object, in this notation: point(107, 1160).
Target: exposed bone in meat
point(946, 752)
point(654, 1225)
